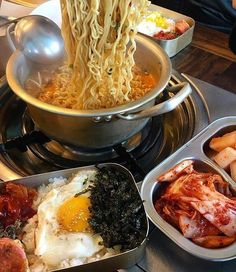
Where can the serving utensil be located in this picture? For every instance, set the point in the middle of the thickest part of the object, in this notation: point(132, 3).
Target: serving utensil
point(39, 39)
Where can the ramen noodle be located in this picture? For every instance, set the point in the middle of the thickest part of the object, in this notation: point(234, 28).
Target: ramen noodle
point(100, 72)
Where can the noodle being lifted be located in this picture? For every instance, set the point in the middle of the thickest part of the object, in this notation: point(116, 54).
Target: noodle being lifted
point(99, 41)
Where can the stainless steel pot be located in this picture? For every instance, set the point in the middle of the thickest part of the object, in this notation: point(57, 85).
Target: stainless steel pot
point(105, 127)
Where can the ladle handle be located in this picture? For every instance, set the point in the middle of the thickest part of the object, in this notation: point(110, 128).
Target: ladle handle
point(183, 90)
point(9, 39)
point(11, 21)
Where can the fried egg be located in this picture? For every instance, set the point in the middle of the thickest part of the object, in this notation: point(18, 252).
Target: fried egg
point(154, 23)
point(63, 232)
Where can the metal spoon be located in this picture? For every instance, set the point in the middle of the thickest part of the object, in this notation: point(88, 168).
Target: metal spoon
point(39, 38)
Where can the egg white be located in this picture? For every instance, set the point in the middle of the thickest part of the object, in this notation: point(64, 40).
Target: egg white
point(150, 28)
point(54, 246)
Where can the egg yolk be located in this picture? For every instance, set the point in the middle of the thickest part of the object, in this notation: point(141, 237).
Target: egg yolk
point(73, 214)
point(158, 19)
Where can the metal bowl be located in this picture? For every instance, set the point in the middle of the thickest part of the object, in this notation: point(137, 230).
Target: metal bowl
point(104, 127)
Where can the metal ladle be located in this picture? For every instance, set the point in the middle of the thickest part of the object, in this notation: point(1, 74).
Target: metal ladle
point(39, 38)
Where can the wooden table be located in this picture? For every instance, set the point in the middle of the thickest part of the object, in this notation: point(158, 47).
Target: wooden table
point(208, 58)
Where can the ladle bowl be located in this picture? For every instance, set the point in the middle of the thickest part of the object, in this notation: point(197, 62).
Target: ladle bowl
point(38, 38)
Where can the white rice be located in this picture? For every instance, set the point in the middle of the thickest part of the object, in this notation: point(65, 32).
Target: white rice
point(35, 263)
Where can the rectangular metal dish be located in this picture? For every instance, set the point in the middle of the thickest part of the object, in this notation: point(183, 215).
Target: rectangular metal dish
point(119, 261)
point(193, 150)
point(174, 46)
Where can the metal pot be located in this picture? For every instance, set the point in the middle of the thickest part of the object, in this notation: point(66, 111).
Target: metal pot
point(105, 127)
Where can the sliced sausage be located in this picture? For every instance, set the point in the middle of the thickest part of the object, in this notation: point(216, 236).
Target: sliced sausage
point(12, 256)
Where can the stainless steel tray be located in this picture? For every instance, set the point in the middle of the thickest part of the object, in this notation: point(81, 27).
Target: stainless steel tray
point(119, 261)
point(174, 46)
point(194, 150)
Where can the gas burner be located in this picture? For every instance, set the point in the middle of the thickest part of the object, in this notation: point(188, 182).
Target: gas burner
point(127, 153)
point(141, 141)
point(63, 155)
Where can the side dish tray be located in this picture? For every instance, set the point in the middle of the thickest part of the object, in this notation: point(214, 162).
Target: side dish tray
point(196, 150)
point(174, 46)
point(120, 261)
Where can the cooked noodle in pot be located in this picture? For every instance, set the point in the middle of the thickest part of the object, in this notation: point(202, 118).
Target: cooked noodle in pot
point(99, 40)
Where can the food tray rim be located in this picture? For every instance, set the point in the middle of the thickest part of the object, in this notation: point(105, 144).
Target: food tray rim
point(172, 46)
point(149, 184)
point(124, 259)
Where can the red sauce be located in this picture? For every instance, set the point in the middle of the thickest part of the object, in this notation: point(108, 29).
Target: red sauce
point(166, 35)
point(16, 203)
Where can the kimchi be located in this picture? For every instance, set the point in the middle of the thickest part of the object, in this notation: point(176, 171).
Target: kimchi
point(200, 205)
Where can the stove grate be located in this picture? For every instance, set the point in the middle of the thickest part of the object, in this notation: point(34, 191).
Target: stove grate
point(22, 142)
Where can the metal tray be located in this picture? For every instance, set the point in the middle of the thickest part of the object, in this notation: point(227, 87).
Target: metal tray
point(120, 261)
point(174, 46)
point(194, 150)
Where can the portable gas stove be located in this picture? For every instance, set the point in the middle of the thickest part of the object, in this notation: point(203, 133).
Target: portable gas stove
point(26, 151)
